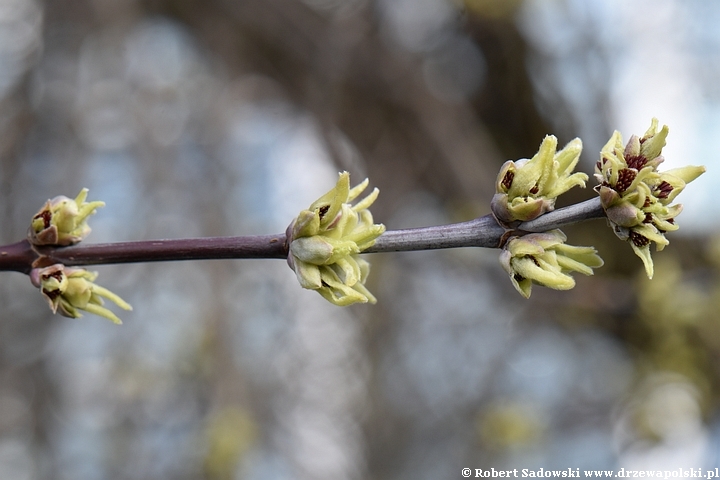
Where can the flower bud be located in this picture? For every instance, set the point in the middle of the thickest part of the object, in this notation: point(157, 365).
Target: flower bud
point(62, 221)
point(545, 259)
point(635, 196)
point(526, 189)
point(325, 240)
point(69, 290)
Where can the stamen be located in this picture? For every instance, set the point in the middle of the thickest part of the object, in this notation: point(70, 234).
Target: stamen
point(56, 275)
point(636, 161)
point(639, 240)
point(507, 180)
point(664, 189)
point(52, 294)
point(46, 215)
point(625, 179)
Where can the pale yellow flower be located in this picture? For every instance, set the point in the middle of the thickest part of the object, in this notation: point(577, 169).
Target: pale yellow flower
point(325, 240)
point(69, 290)
point(545, 259)
point(525, 189)
point(63, 221)
point(635, 196)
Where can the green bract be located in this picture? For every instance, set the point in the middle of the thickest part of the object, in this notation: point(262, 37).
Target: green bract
point(62, 221)
point(325, 240)
point(525, 189)
point(545, 259)
point(69, 290)
point(635, 196)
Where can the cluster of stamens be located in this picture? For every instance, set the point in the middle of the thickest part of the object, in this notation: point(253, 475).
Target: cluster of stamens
point(625, 179)
point(637, 197)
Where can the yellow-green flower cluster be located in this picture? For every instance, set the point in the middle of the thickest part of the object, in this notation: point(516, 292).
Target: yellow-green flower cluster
point(526, 189)
point(636, 197)
point(69, 290)
point(63, 221)
point(545, 259)
point(325, 240)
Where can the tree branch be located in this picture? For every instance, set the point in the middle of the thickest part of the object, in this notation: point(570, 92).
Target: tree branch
point(480, 232)
point(209, 248)
point(17, 257)
point(579, 212)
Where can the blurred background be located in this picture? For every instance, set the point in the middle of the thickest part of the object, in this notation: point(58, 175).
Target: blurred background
point(227, 117)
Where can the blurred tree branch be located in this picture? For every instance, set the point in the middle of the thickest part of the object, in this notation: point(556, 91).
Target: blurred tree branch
point(356, 82)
